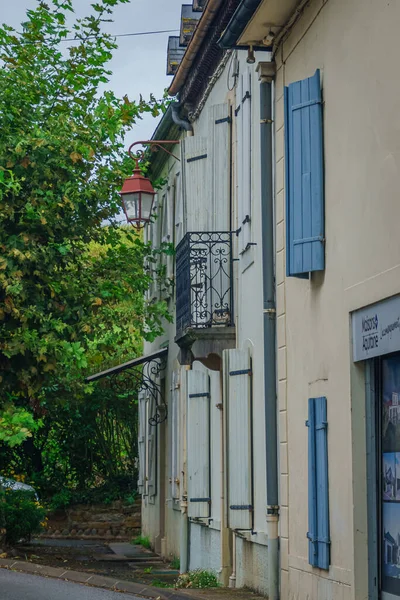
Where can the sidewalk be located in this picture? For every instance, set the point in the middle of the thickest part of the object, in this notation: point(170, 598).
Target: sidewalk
point(131, 587)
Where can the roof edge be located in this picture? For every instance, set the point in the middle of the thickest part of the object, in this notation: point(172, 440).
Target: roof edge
point(241, 17)
point(193, 47)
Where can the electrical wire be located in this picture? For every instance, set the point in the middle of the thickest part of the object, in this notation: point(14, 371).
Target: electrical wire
point(116, 35)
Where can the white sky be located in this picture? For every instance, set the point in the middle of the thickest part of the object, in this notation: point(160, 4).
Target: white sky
point(139, 63)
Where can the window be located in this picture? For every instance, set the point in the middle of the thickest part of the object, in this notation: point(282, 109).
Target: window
point(243, 142)
point(318, 499)
point(304, 177)
point(147, 446)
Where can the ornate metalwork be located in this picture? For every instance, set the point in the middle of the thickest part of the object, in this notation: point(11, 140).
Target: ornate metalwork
point(204, 293)
point(138, 376)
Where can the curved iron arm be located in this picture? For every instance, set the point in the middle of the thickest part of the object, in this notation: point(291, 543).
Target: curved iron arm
point(136, 380)
point(157, 144)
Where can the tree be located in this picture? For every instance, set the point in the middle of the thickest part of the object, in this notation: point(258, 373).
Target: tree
point(68, 284)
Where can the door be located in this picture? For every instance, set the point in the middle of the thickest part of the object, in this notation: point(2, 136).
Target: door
point(389, 480)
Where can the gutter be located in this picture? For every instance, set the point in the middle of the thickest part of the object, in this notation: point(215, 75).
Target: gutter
point(198, 36)
point(241, 17)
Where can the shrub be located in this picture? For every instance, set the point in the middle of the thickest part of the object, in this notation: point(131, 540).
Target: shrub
point(175, 563)
point(23, 515)
point(199, 579)
point(142, 540)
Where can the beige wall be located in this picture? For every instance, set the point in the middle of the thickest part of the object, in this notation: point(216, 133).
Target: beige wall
point(354, 43)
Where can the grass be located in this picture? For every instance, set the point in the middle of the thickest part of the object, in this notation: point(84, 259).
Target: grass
point(162, 584)
point(175, 564)
point(198, 579)
point(148, 570)
point(142, 540)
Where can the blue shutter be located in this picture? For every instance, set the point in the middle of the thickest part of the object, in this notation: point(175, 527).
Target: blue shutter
point(318, 496)
point(304, 177)
point(312, 488)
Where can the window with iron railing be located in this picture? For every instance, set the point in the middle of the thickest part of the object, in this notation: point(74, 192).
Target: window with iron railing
point(204, 293)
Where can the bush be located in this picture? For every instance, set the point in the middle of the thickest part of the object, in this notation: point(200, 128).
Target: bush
point(23, 516)
point(198, 579)
point(142, 540)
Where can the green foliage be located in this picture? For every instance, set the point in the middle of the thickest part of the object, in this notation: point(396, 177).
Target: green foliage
point(120, 488)
point(161, 584)
point(148, 570)
point(22, 515)
point(175, 563)
point(71, 288)
point(199, 579)
point(16, 425)
point(142, 540)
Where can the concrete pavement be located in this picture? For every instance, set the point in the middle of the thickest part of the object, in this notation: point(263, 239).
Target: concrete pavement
point(21, 586)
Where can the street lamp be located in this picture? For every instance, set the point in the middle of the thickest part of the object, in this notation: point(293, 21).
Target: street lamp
point(137, 193)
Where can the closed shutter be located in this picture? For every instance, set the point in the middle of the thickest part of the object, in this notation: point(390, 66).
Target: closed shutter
point(179, 223)
point(175, 432)
point(318, 493)
point(142, 443)
point(304, 177)
point(198, 444)
point(239, 434)
point(243, 140)
point(151, 448)
point(220, 159)
point(197, 184)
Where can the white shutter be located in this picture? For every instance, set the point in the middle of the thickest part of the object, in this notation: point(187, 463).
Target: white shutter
point(243, 144)
point(151, 448)
point(175, 434)
point(197, 184)
point(239, 433)
point(219, 161)
point(198, 444)
point(179, 226)
point(142, 443)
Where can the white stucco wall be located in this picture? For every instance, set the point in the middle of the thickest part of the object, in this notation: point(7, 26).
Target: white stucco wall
point(362, 161)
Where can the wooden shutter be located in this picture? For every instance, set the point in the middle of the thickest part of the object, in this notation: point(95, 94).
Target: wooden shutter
point(239, 433)
point(318, 493)
point(142, 443)
point(151, 448)
point(179, 224)
point(175, 433)
point(243, 141)
point(198, 444)
point(197, 185)
point(304, 177)
point(220, 159)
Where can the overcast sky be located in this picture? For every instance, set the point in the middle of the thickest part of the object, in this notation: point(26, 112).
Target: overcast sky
point(139, 63)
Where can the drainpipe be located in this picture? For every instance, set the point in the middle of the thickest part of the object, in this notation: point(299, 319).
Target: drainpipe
point(232, 578)
point(187, 126)
point(266, 71)
point(184, 529)
point(225, 532)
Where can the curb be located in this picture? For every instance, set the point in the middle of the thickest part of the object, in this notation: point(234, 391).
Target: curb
point(99, 581)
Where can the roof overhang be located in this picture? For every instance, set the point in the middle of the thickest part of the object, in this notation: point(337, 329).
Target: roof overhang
point(135, 362)
point(254, 19)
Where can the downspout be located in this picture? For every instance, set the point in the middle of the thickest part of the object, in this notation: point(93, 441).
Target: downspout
point(184, 528)
point(266, 73)
point(184, 123)
point(224, 532)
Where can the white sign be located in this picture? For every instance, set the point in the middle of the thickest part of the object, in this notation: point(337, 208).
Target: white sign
point(376, 329)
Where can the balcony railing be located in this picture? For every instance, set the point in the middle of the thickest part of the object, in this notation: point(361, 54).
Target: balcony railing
point(204, 294)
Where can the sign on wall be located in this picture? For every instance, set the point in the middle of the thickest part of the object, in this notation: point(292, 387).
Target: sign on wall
point(376, 329)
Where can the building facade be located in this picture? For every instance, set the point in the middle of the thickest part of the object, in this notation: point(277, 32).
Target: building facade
point(278, 465)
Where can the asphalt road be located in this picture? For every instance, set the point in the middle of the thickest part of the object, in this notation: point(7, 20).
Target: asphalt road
point(19, 586)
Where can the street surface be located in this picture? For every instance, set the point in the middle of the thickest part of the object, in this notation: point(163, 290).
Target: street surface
point(19, 586)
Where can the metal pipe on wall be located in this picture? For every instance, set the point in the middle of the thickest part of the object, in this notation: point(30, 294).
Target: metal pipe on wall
point(266, 74)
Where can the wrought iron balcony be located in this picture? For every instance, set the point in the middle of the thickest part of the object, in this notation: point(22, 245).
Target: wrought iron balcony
point(204, 293)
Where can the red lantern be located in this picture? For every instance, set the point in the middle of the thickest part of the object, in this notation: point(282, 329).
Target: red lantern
point(137, 198)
